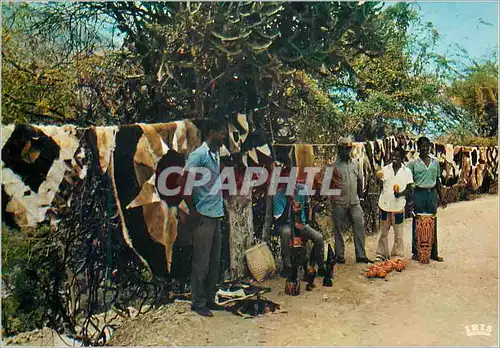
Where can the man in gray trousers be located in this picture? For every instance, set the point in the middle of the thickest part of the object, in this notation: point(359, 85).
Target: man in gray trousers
point(205, 213)
point(346, 206)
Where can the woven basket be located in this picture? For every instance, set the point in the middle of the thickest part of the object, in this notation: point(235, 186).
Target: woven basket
point(260, 262)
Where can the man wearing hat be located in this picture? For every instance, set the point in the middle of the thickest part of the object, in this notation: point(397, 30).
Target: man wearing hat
point(346, 206)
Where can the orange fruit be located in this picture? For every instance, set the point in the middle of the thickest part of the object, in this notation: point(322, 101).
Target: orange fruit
point(396, 188)
point(388, 267)
point(382, 274)
point(371, 274)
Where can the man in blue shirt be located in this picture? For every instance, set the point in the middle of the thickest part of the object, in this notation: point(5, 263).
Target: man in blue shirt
point(427, 189)
point(206, 210)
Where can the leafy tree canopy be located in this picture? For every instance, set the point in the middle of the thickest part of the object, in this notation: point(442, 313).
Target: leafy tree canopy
point(309, 71)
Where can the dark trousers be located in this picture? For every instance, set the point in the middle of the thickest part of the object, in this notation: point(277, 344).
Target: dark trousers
point(425, 201)
point(342, 214)
point(308, 233)
point(206, 260)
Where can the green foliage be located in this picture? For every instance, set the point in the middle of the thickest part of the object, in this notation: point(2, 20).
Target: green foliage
point(348, 67)
point(312, 116)
point(403, 87)
point(57, 73)
point(25, 279)
point(200, 59)
point(466, 137)
point(33, 88)
point(477, 94)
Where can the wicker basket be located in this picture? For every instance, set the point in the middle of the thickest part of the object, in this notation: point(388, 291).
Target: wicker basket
point(260, 262)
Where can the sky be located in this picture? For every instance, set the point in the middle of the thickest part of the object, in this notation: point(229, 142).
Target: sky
point(473, 25)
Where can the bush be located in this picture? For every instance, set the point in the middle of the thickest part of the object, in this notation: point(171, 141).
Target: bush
point(461, 137)
point(23, 279)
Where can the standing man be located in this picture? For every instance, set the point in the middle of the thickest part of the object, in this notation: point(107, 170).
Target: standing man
point(396, 182)
point(205, 213)
point(426, 175)
point(346, 206)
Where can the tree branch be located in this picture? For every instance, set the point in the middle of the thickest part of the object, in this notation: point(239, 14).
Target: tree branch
point(52, 110)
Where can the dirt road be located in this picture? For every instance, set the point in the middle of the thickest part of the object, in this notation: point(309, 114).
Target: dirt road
point(423, 305)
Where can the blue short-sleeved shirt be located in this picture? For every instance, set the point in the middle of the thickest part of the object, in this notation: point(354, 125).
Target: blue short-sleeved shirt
point(207, 199)
point(280, 199)
point(423, 176)
point(279, 203)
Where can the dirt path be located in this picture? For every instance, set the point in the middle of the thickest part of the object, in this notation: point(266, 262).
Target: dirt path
point(424, 305)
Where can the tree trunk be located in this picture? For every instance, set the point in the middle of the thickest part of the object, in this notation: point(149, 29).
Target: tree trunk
point(240, 219)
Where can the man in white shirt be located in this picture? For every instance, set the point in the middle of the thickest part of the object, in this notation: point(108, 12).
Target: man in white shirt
point(396, 180)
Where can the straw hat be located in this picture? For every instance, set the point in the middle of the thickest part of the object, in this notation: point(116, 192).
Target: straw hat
point(345, 141)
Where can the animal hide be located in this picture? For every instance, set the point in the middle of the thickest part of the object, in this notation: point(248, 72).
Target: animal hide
point(463, 166)
point(105, 145)
point(145, 211)
point(304, 157)
point(33, 167)
point(239, 131)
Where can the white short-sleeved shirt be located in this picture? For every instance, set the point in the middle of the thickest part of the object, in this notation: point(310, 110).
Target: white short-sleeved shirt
point(387, 201)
